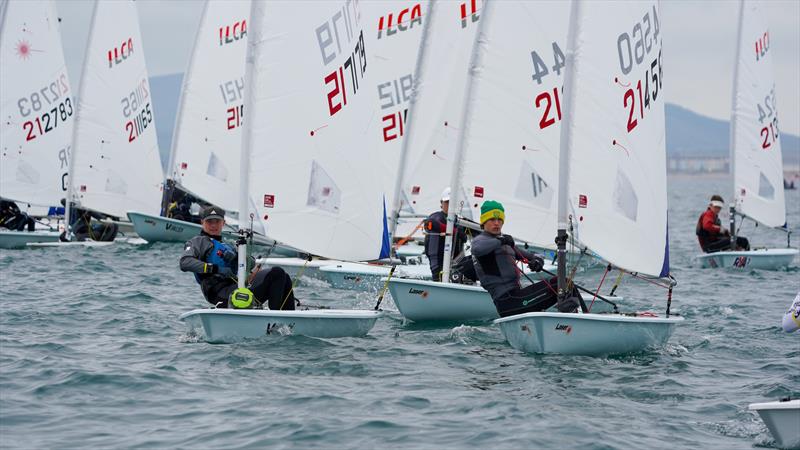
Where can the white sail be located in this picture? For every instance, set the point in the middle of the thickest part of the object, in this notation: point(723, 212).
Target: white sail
point(437, 104)
point(208, 128)
point(613, 135)
point(393, 32)
point(116, 165)
point(756, 145)
point(513, 131)
point(38, 109)
point(311, 159)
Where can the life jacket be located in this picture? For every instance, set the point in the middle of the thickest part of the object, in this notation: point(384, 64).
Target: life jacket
point(703, 235)
point(217, 257)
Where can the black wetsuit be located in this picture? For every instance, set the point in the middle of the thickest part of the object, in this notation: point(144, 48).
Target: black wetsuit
point(271, 285)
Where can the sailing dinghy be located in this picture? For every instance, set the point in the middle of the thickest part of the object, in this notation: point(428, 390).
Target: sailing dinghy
point(508, 152)
point(612, 172)
point(782, 419)
point(38, 112)
point(115, 164)
point(305, 130)
point(755, 148)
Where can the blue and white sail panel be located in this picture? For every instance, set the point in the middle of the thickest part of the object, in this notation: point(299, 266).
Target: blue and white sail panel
point(617, 156)
point(756, 145)
point(312, 156)
point(37, 107)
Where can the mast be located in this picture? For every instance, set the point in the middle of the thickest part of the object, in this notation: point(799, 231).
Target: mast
point(734, 109)
point(171, 172)
point(456, 178)
point(565, 146)
point(78, 114)
point(256, 13)
point(403, 161)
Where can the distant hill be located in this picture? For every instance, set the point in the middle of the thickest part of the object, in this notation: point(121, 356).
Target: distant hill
point(691, 134)
point(688, 133)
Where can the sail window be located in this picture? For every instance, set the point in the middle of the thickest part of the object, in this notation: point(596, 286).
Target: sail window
point(765, 188)
point(625, 200)
point(532, 188)
point(26, 173)
point(216, 168)
point(323, 193)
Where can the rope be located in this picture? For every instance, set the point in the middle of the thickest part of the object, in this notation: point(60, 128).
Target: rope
point(294, 283)
point(385, 287)
point(608, 269)
point(616, 283)
point(405, 239)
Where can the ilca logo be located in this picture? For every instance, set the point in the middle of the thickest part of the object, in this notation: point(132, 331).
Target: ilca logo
point(565, 328)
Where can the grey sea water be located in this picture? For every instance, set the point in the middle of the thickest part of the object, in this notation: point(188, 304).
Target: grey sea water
point(92, 355)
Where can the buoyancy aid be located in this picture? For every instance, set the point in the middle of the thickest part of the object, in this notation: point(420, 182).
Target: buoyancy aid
point(222, 255)
point(704, 236)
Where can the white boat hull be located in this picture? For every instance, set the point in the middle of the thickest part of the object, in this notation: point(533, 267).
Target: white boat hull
point(295, 266)
point(766, 259)
point(425, 300)
point(783, 420)
point(358, 276)
point(586, 334)
point(163, 229)
point(231, 325)
point(20, 239)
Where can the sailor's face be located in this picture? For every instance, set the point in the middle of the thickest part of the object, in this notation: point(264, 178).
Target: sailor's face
point(493, 226)
point(213, 226)
point(446, 206)
point(716, 209)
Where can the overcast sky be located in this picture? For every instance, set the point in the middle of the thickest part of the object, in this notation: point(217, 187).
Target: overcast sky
point(699, 45)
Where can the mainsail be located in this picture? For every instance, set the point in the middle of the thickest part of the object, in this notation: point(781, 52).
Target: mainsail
point(38, 109)
point(116, 165)
point(512, 134)
point(755, 137)
point(308, 138)
point(612, 145)
point(440, 83)
point(208, 128)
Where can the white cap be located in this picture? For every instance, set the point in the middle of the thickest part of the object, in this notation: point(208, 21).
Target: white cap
point(446, 195)
point(718, 204)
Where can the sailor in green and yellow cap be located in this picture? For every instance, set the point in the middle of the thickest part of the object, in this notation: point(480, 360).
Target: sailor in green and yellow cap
point(495, 255)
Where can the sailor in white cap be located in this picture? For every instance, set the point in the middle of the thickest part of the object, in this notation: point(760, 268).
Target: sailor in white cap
point(435, 226)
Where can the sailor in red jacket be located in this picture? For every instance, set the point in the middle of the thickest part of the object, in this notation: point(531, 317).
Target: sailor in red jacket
point(713, 237)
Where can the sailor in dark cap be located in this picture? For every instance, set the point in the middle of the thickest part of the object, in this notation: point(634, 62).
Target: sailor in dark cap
point(214, 265)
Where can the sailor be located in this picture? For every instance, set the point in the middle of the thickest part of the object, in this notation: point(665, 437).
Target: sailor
point(12, 218)
point(214, 265)
point(83, 228)
point(435, 227)
point(791, 320)
point(495, 256)
point(711, 235)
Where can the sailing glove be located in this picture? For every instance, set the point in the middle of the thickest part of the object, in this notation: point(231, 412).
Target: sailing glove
point(536, 264)
point(506, 239)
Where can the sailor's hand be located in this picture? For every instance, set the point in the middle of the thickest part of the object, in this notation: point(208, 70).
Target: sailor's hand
point(536, 264)
point(506, 239)
point(724, 230)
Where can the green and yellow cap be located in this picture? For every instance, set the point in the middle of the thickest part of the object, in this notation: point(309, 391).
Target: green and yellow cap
point(492, 210)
